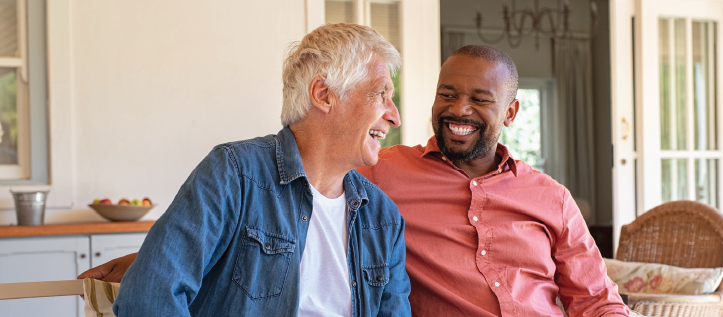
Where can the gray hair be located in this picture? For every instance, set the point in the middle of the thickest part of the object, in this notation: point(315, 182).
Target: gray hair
point(338, 52)
point(492, 54)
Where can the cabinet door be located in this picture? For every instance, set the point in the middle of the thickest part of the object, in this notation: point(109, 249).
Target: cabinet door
point(105, 247)
point(43, 259)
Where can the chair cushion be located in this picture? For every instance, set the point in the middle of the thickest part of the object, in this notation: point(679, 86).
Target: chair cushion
point(654, 278)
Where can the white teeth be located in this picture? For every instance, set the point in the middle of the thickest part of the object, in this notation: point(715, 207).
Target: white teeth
point(461, 131)
point(377, 134)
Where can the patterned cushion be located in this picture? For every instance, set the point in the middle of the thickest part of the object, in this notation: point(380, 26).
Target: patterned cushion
point(653, 278)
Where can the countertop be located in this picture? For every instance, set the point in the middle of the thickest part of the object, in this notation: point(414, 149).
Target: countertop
point(75, 229)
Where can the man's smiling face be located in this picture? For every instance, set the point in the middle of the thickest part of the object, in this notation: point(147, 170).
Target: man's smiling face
point(470, 108)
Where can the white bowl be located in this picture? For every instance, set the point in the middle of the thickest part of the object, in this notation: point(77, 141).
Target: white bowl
point(121, 212)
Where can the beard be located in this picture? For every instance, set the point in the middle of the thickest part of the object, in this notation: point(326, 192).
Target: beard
point(483, 147)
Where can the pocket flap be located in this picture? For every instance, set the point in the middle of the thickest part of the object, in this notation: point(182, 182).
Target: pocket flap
point(376, 275)
point(270, 243)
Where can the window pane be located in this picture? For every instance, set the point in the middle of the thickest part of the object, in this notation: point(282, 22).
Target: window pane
point(8, 117)
point(706, 180)
point(665, 80)
point(673, 176)
point(680, 113)
point(339, 11)
point(523, 137)
point(385, 20)
point(9, 28)
point(703, 85)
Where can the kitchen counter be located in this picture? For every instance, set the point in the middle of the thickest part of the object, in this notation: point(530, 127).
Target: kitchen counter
point(75, 229)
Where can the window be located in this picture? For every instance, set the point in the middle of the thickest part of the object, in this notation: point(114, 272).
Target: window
point(688, 116)
point(384, 17)
point(23, 109)
point(529, 138)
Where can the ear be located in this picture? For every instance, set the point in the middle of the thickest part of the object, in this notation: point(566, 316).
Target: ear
point(511, 112)
point(320, 94)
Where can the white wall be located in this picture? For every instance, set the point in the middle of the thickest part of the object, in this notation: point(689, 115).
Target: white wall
point(140, 91)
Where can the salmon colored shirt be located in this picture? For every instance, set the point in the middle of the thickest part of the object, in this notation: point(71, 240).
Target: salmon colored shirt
point(502, 244)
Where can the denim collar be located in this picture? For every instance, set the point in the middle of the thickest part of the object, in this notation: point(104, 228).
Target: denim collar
point(288, 160)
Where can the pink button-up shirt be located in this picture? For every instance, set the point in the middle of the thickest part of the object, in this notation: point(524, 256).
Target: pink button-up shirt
point(502, 244)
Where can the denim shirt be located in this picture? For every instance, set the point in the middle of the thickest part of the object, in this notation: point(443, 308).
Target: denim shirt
point(230, 243)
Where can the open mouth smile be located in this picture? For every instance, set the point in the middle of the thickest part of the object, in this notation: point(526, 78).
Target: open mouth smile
point(377, 134)
point(460, 129)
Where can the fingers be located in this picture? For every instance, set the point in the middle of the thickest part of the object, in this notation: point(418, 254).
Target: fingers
point(97, 273)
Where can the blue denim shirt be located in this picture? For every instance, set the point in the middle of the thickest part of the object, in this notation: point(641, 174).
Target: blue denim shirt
point(231, 242)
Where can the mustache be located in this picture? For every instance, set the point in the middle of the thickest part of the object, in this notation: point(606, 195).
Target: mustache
point(456, 120)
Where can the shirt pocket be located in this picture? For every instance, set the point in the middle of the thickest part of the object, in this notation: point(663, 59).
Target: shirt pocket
point(376, 275)
point(263, 262)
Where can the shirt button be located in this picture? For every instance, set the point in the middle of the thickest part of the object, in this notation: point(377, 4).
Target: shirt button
point(353, 283)
point(444, 158)
point(267, 246)
point(474, 183)
point(355, 203)
point(474, 218)
point(500, 171)
point(497, 284)
point(380, 278)
point(483, 252)
point(303, 218)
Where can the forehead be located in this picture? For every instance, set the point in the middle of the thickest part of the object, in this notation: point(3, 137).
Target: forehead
point(379, 73)
point(462, 72)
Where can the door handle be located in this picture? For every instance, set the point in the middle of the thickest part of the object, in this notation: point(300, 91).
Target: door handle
point(627, 129)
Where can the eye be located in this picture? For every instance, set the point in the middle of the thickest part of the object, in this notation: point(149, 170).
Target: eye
point(446, 96)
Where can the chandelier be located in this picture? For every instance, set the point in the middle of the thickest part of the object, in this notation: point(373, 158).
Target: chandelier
point(549, 22)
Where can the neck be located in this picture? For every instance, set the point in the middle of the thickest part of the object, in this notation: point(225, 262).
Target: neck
point(479, 166)
point(324, 172)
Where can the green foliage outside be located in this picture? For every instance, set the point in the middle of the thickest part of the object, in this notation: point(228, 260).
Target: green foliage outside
point(394, 136)
point(8, 108)
point(523, 137)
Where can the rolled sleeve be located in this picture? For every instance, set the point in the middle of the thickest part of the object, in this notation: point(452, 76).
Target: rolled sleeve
point(585, 289)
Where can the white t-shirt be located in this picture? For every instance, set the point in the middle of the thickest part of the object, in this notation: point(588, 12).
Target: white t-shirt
point(324, 284)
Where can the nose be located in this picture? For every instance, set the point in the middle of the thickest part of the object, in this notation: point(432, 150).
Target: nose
point(392, 114)
point(460, 107)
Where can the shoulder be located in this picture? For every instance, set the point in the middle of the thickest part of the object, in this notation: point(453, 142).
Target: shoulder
point(247, 151)
point(379, 210)
point(390, 158)
point(531, 176)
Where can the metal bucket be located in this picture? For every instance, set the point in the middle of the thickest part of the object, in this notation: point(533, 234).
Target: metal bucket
point(30, 207)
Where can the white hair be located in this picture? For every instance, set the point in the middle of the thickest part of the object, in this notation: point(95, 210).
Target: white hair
point(341, 54)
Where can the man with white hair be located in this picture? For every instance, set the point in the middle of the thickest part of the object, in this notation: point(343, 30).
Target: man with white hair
point(282, 225)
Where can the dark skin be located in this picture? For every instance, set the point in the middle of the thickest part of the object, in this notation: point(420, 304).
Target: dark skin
point(469, 90)
point(472, 92)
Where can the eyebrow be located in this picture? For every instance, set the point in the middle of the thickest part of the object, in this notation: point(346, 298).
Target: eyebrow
point(477, 91)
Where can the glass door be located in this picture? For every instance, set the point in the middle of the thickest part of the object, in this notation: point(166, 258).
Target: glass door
point(665, 82)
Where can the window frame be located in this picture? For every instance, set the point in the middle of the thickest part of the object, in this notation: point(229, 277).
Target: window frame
point(33, 157)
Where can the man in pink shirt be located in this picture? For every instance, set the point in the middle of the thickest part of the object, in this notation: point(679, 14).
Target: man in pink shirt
point(486, 235)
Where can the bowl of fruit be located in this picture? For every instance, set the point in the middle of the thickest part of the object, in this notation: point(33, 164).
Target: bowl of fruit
point(124, 210)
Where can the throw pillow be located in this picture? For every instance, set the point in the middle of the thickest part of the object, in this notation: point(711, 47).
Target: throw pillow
point(654, 278)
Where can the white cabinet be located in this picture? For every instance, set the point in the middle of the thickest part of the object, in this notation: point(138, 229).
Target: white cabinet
point(106, 247)
point(56, 258)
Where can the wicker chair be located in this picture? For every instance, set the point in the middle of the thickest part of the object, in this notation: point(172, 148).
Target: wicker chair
point(680, 233)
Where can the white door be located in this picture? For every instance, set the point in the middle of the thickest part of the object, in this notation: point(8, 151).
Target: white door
point(665, 80)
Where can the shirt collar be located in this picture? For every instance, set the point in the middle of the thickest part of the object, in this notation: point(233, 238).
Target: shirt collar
point(502, 152)
point(288, 158)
